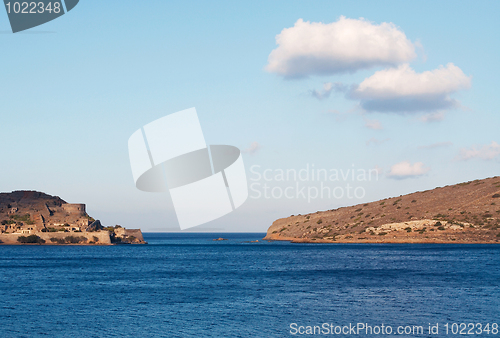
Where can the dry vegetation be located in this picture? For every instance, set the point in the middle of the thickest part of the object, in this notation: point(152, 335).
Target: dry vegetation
point(463, 213)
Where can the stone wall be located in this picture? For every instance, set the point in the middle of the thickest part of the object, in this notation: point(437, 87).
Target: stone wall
point(74, 208)
point(103, 236)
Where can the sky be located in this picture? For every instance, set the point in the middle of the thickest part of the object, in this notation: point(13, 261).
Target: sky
point(406, 92)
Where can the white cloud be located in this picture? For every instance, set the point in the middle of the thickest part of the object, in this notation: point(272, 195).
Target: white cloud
point(403, 90)
point(405, 169)
point(344, 46)
point(253, 148)
point(487, 152)
point(373, 124)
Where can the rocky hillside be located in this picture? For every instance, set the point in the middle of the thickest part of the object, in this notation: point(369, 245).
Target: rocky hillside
point(462, 213)
point(37, 211)
point(49, 219)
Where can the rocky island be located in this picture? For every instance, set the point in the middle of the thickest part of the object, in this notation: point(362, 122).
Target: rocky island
point(462, 213)
point(32, 217)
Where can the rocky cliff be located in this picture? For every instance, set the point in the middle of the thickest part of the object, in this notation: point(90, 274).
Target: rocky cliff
point(463, 213)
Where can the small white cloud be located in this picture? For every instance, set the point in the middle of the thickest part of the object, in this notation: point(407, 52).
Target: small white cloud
point(328, 87)
point(253, 148)
point(487, 152)
point(344, 46)
point(437, 145)
point(405, 169)
point(403, 90)
point(373, 124)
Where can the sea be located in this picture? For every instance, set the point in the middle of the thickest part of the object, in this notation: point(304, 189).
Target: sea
point(188, 285)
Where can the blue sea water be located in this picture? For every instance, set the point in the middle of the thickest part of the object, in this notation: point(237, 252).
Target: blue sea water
point(187, 285)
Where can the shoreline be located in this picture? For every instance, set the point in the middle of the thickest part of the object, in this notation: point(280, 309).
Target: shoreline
point(323, 241)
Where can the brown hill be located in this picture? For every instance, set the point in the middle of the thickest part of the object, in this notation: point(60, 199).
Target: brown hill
point(462, 213)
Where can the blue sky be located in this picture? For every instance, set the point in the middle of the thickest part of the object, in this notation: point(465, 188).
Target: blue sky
point(73, 90)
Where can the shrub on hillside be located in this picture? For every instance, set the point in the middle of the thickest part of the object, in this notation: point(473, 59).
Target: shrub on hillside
point(34, 239)
point(23, 218)
point(75, 239)
point(69, 240)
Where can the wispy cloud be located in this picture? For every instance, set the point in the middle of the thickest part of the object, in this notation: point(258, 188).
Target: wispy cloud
point(380, 171)
point(373, 124)
point(252, 149)
point(344, 46)
point(341, 116)
point(432, 117)
point(405, 170)
point(328, 87)
point(486, 152)
point(436, 145)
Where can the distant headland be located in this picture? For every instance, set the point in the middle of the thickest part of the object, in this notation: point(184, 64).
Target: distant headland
point(463, 213)
point(32, 217)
